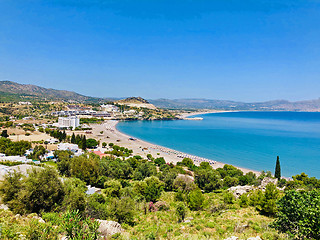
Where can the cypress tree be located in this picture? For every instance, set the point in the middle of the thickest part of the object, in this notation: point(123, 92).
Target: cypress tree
point(84, 143)
point(64, 135)
point(277, 172)
point(73, 138)
point(4, 134)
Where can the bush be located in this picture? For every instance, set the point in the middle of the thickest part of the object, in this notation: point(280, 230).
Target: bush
point(184, 183)
point(112, 188)
point(195, 200)
point(122, 210)
point(153, 189)
point(243, 200)
point(162, 206)
point(299, 214)
point(228, 198)
point(40, 191)
point(208, 179)
point(40, 231)
point(77, 227)
point(181, 211)
point(268, 203)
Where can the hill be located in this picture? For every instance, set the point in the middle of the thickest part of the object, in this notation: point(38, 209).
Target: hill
point(136, 102)
point(12, 91)
point(276, 105)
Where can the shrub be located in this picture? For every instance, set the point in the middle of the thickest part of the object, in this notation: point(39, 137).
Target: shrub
point(243, 200)
point(208, 179)
point(122, 210)
point(162, 206)
point(195, 199)
point(40, 191)
point(299, 214)
point(77, 227)
point(184, 183)
point(268, 203)
point(228, 198)
point(153, 188)
point(112, 188)
point(181, 211)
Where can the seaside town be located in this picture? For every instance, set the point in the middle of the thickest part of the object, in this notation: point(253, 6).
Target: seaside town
point(81, 141)
point(159, 120)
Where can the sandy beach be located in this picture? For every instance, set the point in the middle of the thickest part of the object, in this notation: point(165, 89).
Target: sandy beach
point(107, 132)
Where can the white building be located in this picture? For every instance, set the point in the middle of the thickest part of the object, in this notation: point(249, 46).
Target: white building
point(66, 122)
point(109, 108)
point(71, 147)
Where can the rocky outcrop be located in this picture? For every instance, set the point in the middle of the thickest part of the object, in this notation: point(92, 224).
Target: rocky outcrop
point(109, 228)
point(4, 207)
point(236, 238)
point(239, 190)
point(266, 181)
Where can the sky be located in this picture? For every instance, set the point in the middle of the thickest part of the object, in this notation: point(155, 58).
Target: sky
point(243, 50)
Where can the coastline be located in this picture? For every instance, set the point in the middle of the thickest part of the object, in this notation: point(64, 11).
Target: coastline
point(143, 148)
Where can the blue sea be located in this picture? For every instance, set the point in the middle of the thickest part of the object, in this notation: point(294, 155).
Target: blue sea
point(246, 139)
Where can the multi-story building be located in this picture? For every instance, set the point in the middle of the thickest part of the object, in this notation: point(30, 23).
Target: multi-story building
point(66, 122)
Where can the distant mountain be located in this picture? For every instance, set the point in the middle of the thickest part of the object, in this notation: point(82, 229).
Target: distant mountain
point(276, 105)
point(15, 91)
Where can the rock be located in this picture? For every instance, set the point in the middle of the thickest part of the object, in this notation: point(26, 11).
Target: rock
point(4, 207)
point(39, 219)
point(232, 238)
point(108, 228)
point(239, 190)
point(254, 238)
point(268, 180)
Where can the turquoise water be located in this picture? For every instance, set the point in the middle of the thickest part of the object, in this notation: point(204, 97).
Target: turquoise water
point(246, 139)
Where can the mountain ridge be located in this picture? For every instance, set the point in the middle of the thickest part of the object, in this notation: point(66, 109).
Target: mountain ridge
point(10, 91)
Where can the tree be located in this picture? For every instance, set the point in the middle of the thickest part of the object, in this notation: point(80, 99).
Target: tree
point(4, 134)
point(75, 196)
point(122, 210)
point(86, 168)
point(268, 203)
point(10, 188)
point(195, 199)
point(277, 172)
point(40, 191)
point(208, 179)
point(159, 161)
point(73, 138)
point(153, 189)
point(112, 188)
point(181, 211)
point(299, 214)
point(91, 143)
point(104, 144)
point(84, 143)
point(38, 151)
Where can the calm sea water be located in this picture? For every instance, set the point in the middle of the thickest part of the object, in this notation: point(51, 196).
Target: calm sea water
point(247, 139)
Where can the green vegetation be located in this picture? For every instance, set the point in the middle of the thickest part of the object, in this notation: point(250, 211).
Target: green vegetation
point(152, 199)
point(13, 148)
point(91, 120)
point(277, 173)
point(4, 134)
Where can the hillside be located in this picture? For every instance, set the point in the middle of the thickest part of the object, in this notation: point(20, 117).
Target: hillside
point(276, 105)
point(136, 102)
point(12, 91)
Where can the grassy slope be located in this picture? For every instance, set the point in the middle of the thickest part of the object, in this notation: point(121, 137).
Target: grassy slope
point(233, 221)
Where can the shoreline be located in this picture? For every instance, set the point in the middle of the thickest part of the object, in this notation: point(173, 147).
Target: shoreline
point(141, 147)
